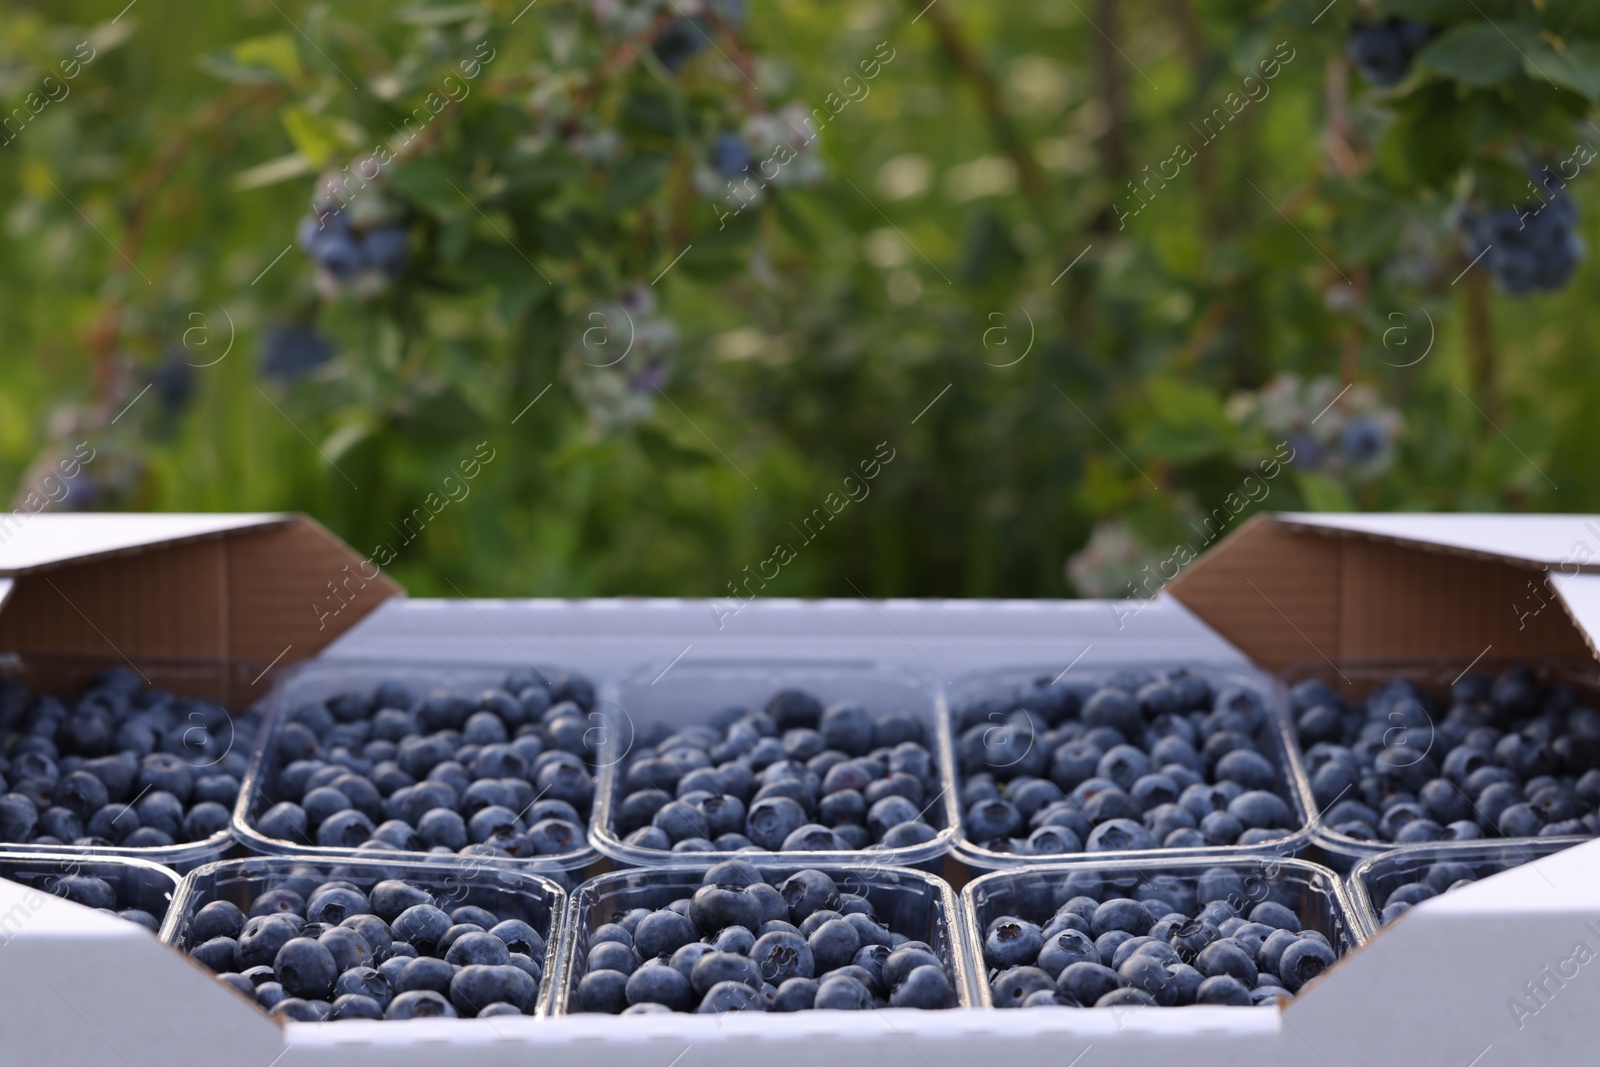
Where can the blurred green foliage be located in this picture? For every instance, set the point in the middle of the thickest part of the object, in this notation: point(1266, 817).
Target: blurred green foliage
point(1006, 268)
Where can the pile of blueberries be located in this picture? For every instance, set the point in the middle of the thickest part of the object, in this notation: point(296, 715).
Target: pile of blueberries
point(1383, 51)
point(123, 765)
point(314, 949)
point(1145, 760)
point(505, 773)
point(742, 943)
point(1165, 941)
point(94, 892)
point(1440, 878)
point(795, 776)
point(1506, 757)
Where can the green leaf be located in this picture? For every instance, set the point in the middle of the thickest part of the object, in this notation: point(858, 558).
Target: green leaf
point(1189, 423)
point(316, 137)
point(275, 52)
point(1322, 493)
point(1433, 12)
point(664, 449)
point(1577, 67)
point(635, 180)
point(649, 113)
point(422, 15)
point(426, 185)
point(443, 415)
point(1479, 53)
point(272, 172)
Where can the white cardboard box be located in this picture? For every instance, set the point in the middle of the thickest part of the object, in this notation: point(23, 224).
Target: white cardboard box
point(1439, 986)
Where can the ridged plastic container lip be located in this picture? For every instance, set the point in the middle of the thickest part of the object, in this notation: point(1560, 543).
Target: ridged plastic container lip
point(1294, 787)
point(689, 692)
point(320, 679)
point(1436, 674)
point(227, 677)
point(163, 881)
point(199, 887)
point(946, 915)
point(1338, 912)
point(1376, 876)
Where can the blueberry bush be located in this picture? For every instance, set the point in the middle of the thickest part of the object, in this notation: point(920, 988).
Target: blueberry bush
point(1099, 276)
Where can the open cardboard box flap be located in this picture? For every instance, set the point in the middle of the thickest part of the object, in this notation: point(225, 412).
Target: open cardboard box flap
point(257, 590)
point(1299, 587)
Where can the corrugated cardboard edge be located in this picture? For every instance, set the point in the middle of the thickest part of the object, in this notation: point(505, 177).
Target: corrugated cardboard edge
point(1288, 593)
point(264, 595)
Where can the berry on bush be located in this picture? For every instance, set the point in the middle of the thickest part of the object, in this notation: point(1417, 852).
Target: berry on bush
point(1383, 51)
point(1531, 247)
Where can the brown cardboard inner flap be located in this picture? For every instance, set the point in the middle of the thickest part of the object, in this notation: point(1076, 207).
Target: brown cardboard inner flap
point(1285, 595)
point(262, 596)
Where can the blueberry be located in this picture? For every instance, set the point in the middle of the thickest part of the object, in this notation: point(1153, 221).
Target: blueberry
point(662, 984)
point(662, 933)
point(419, 1004)
point(1119, 835)
point(334, 905)
point(991, 820)
point(905, 959)
point(348, 948)
point(262, 937)
point(796, 994)
point(1303, 961)
point(833, 944)
point(355, 1006)
point(305, 969)
point(770, 821)
point(421, 924)
point(925, 987)
point(1227, 957)
point(1012, 943)
point(219, 918)
point(364, 982)
point(1271, 913)
point(218, 953)
point(18, 816)
point(476, 986)
point(842, 994)
point(808, 891)
point(731, 996)
point(518, 936)
point(1014, 986)
point(613, 956)
point(424, 973)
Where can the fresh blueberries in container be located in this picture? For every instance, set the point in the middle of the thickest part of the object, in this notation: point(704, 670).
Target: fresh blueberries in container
point(391, 951)
point(123, 765)
point(1141, 761)
point(792, 776)
point(697, 954)
point(1502, 756)
point(1100, 945)
point(507, 772)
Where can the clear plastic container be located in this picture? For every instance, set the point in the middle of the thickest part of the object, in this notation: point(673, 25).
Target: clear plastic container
point(912, 902)
point(1354, 679)
point(140, 884)
point(1277, 738)
point(1033, 893)
point(454, 881)
point(690, 692)
point(318, 680)
point(1375, 877)
point(226, 682)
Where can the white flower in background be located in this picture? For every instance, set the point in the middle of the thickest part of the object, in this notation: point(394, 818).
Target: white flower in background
point(1112, 564)
point(620, 357)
